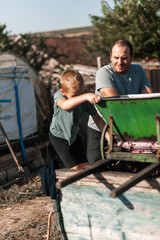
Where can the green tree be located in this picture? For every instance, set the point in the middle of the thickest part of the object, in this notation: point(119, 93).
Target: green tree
point(27, 46)
point(135, 20)
point(4, 39)
point(30, 48)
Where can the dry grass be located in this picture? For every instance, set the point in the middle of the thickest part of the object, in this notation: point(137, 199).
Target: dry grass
point(30, 224)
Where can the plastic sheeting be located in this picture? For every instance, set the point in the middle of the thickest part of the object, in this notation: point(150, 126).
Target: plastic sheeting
point(17, 103)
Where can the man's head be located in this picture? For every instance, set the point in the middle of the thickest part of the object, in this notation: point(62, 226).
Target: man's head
point(121, 56)
point(72, 83)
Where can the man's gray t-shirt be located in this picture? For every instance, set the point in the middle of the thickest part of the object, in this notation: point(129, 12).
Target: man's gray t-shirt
point(131, 83)
point(65, 123)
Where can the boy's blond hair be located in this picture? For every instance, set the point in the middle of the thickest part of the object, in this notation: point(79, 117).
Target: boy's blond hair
point(71, 79)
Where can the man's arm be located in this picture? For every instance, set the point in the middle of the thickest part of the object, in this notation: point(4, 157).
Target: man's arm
point(147, 90)
point(108, 92)
point(105, 82)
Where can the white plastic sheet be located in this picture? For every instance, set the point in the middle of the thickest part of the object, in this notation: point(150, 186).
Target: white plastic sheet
point(9, 78)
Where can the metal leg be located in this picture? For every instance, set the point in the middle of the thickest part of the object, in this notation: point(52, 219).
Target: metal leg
point(136, 179)
point(82, 173)
point(111, 133)
point(157, 117)
point(102, 141)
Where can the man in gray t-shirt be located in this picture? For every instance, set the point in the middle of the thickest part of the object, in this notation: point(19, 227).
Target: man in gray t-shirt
point(120, 77)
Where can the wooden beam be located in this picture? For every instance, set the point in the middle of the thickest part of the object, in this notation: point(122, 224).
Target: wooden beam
point(83, 173)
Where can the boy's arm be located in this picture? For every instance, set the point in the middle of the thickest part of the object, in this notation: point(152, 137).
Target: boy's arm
point(68, 104)
point(100, 124)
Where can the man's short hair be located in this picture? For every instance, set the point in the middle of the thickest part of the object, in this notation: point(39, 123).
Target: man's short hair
point(123, 42)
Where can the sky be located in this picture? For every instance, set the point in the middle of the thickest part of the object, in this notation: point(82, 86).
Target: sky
point(31, 16)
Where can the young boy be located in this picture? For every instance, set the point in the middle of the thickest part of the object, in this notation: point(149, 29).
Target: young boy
point(70, 105)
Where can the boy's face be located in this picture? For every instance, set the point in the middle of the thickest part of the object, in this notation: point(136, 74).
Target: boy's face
point(71, 92)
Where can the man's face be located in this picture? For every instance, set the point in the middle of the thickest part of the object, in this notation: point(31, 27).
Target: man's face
point(120, 58)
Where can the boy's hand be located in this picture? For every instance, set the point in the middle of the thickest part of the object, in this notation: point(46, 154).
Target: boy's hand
point(93, 98)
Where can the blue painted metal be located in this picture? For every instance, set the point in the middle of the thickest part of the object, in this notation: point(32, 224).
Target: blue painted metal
point(5, 100)
point(19, 118)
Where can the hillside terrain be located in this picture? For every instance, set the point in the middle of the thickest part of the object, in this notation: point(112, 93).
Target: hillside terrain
point(71, 32)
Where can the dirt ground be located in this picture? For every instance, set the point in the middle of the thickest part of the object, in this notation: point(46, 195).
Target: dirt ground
point(27, 214)
point(24, 216)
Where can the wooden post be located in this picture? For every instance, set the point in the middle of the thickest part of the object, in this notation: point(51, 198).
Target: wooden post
point(99, 65)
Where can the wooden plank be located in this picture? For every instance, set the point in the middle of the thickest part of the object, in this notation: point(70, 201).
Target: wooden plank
point(28, 150)
point(27, 140)
point(90, 213)
point(20, 168)
point(6, 161)
point(83, 173)
point(111, 180)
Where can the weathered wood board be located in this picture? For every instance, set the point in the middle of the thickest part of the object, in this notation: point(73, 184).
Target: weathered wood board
point(89, 213)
